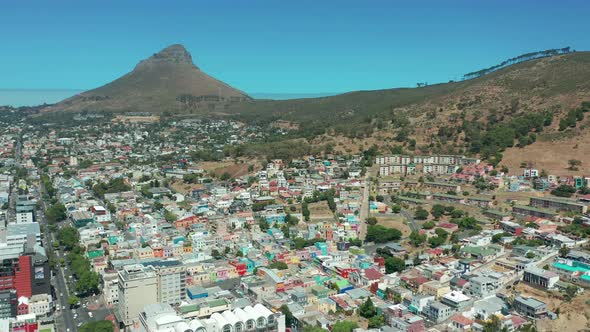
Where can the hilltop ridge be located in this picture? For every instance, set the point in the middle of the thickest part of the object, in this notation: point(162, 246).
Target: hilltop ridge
point(168, 81)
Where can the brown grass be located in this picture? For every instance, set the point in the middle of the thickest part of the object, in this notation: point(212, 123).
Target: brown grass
point(552, 155)
point(394, 221)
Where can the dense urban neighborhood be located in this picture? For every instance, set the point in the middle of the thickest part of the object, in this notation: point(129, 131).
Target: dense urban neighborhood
point(135, 224)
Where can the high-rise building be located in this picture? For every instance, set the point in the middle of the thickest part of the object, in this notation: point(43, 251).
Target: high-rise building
point(8, 303)
point(138, 286)
point(171, 276)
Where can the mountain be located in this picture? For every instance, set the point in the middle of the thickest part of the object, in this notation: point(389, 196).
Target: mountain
point(166, 81)
point(519, 113)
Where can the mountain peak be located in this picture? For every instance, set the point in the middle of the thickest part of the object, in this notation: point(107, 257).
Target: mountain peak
point(175, 54)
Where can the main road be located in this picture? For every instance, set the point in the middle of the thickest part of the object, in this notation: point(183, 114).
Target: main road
point(64, 318)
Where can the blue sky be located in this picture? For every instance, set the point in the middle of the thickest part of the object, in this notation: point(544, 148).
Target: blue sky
point(279, 46)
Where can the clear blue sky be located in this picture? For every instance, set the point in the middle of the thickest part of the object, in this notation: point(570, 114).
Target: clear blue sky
point(279, 46)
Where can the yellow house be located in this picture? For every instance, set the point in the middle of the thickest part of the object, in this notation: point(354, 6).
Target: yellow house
point(146, 252)
point(326, 305)
point(435, 288)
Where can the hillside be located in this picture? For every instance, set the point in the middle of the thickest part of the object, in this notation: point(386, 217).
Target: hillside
point(167, 81)
point(493, 116)
point(512, 113)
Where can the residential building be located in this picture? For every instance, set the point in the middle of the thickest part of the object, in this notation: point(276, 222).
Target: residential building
point(540, 278)
point(138, 285)
point(558, 204)
point(530, 307)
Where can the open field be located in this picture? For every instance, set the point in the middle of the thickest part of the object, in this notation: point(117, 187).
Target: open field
point(393, 221)
point(320, 210)
point(574, 315)
point(220, 167)
point(552, 156)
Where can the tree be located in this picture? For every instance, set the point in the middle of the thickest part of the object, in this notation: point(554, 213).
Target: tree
point(372, 221)
point(436, 241)
point(563, 190)
point(73, 300)
point(394, 264)
point(416, 239)
point(367, 309)
point(97, 326)
point(396, 209)
point(497, 237)
point(376, 321)
point(382, 234)
point(216, 254)
point(278, 265)
point(68, 236)
point(573, 164)
point(428, 225)
point(492, 325)
point(344, 326)
point(305, 211)
point(570, 292)
point(56, 213)
point(225, 176)
point(289, 318)
point(564, 251)
point(420, 213)
point(437, 211)
point(170, 217)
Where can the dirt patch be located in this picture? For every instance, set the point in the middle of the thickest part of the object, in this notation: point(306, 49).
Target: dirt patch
point(394, 221)
point(574, 316)
point(320, 210)
point(234, 169)
point(551, 156)
point(181, 187)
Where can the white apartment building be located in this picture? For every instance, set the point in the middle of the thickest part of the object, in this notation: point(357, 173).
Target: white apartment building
point(138, 286)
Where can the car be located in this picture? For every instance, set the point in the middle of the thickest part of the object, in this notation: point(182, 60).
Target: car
point(63, 307)
point(68, 329)
point(79, 324)
point(61, 294)
point(90, 314)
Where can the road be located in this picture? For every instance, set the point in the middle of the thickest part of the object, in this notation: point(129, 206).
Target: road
point(364, 213)
point(64, 318)
point(410, 218)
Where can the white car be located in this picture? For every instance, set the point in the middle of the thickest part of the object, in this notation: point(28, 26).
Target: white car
point(90, 314)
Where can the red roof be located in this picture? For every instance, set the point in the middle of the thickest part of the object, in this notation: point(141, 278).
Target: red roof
point(373, 274)
point(462, 320)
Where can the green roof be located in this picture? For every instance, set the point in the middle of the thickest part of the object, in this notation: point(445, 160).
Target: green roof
point(216, 303)
point(479, 251)
point(188, 308)
point(410, 199)
point(558, 200)
point(534, 209)
point(497, 212)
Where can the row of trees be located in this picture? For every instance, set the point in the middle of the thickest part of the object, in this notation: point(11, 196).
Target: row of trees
point(572, 118)
point(518, 59)
point(87, 281)
point(113, 186)
point(490, 141)
point(382, 234)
